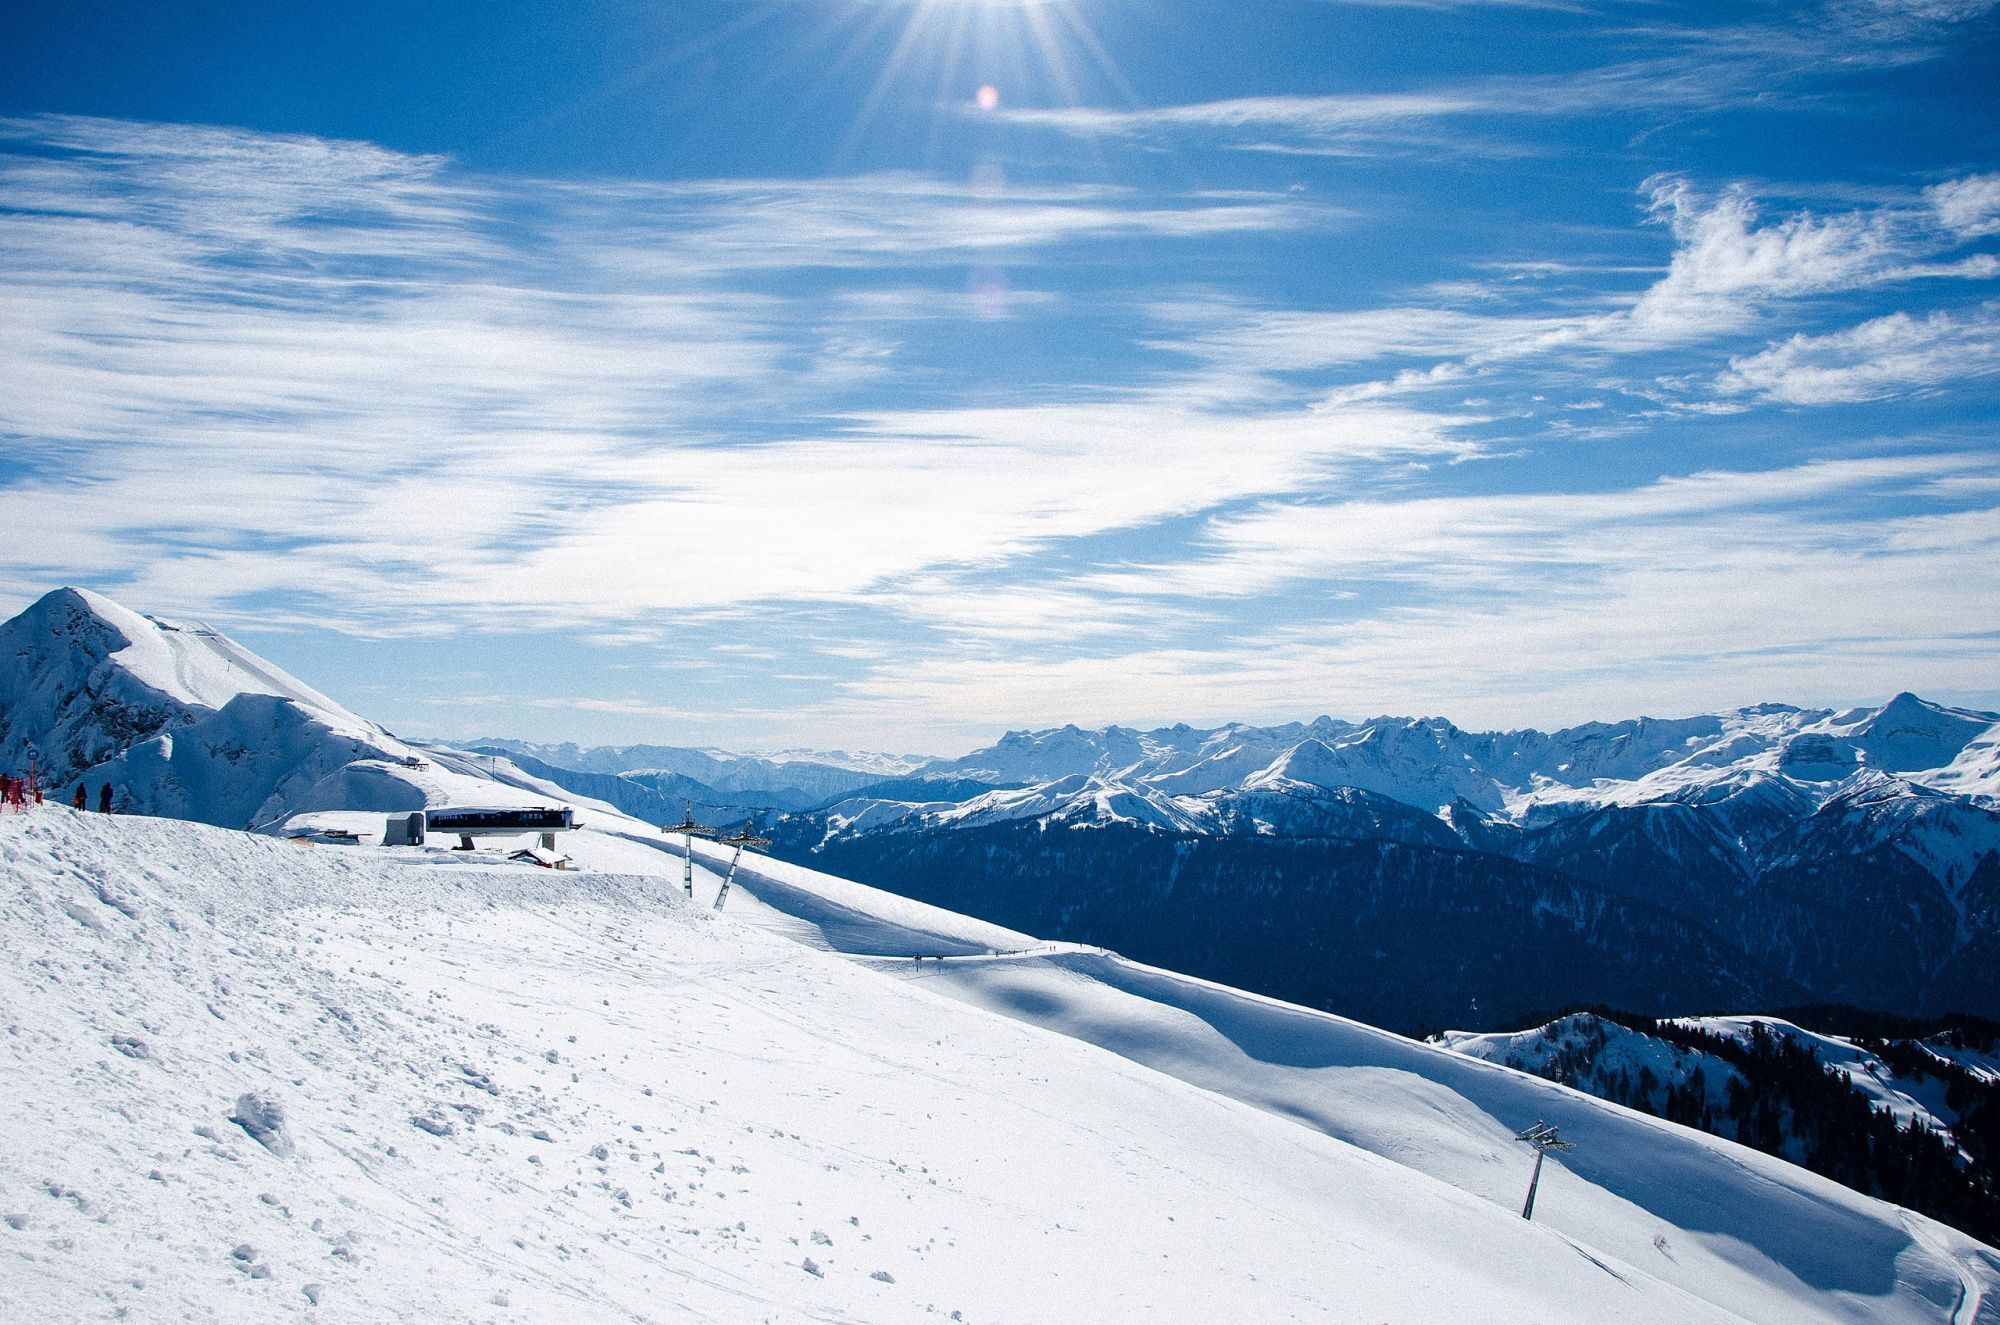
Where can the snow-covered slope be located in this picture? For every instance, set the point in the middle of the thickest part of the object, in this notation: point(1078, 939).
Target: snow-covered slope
point(1739, 1077)
point(1589, 1052)
point(1761, 1238)
point(366, 1085)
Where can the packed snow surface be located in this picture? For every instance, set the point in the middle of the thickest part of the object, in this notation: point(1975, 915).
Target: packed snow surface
point(249, 1079)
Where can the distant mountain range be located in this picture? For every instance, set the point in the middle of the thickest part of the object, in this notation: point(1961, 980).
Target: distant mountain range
point(1409, 872)
point(1405, 871)
point(717, 779)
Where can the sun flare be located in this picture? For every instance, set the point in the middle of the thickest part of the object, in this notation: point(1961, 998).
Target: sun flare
point(981, 53)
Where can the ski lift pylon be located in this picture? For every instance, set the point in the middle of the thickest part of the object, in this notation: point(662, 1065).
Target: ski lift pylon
point(689, 831)
point(1544, 1137)
point(739, 840)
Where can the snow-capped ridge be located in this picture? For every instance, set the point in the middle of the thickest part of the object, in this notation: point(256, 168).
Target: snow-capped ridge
point(180, 720)
point(1909, 735)
point(82, 679)
point(1310, 762)
point(1526, 776)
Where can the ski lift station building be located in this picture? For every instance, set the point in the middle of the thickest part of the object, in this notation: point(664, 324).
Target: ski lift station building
point(469, 822)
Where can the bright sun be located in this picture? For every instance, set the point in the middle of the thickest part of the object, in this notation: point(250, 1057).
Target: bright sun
point(972, 46)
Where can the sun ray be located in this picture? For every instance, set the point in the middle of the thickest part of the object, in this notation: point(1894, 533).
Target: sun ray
point(907, 46)
point(1087, 37)
point(1044, 49)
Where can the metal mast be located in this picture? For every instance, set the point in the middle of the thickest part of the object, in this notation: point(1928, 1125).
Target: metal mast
point(1544, 1138)
point(689, 831)
point(739, 840)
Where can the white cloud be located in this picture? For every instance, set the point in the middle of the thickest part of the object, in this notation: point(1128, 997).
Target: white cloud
point(1722, 254)
point(1289, 340)
point(1883, 357)
point(382, 381)
point(1764, 58)
point(898, 494)
point(257, 365)
point(1505, 542)
point(1729, 271)
point(1899, 19)
point(1728, 265)
point(1542, 608)
point(1970, 207)
point(1319, 115)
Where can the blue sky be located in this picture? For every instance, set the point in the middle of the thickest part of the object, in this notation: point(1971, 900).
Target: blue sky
point(886, 373)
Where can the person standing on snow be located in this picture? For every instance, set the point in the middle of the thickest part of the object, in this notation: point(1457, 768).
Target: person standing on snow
point(104, 799)
point(82, 798)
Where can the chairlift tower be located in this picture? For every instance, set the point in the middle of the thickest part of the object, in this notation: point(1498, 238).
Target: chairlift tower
point(739, 840)
point(1544, 1137)
point(689, 831)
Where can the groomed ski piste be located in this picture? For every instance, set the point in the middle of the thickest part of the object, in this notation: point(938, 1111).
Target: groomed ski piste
point(248, 1079)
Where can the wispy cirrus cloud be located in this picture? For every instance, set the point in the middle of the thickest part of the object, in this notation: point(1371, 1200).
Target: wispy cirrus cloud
point(1968, 207)
point(1733, 269)
point(1782, 55)
point(1515, 542)
point(374, 376)
point(1727, 263)
point(1538, 607)
point(756, 413)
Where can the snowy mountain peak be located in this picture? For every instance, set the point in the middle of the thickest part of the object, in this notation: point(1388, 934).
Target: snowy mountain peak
point(1312, 762)
point(83, 678)
point(180, 720)
point(1909, 734)
point(187, 661)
